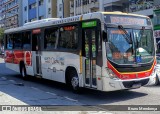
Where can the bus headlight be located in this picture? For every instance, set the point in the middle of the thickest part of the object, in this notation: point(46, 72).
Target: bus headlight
point(157, 71)
point(154, 71)
point(112, 75)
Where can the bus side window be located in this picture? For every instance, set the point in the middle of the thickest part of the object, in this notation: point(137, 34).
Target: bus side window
point(17, 41)
point(26, 40)
point(68, 38)
point(9, 41)
point(50, 37)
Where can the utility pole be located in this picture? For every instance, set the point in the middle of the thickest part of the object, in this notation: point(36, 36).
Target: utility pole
point(74, 7)
point(101, 5)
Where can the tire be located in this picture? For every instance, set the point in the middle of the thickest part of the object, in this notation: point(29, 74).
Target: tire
point(157, 81)
point(23, 72)
point(74, 82)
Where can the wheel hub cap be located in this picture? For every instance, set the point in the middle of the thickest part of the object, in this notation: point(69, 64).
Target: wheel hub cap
point(74, 82)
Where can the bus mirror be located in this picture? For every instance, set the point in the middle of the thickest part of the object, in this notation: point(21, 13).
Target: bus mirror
point(104, 36)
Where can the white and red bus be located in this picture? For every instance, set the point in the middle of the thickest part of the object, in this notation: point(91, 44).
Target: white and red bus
point(105, 51)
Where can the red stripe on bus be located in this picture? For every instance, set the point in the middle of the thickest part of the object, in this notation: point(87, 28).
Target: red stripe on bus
point(17, 56)
point(131, 75)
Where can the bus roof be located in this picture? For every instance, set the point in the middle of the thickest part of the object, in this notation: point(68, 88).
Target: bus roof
point(56, 21)
point(122, 13)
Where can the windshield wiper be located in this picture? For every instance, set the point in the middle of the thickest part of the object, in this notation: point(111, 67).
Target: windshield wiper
point(126, 36)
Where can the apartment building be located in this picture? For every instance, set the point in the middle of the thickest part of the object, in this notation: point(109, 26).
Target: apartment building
point(9, 13)
point(36, 10)
point(144, 7)
point(78, 7)
point(2, 13)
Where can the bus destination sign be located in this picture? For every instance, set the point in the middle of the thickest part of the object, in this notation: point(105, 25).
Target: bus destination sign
point(127, 20)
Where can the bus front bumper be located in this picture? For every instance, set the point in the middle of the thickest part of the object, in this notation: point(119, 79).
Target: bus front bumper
point(112, 85)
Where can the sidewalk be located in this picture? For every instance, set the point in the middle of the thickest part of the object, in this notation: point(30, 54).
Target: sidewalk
point(1, 60)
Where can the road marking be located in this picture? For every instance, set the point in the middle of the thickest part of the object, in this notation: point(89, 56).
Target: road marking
point(35, 88)
point(51, 93)
point(4, 78)
point(13, 81)
point(99, 108)
point(71, 99)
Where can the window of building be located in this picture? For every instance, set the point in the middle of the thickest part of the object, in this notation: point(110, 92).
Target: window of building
point(51, 35)
point(85, 2)
point(41, 2)
point(60, 7)
point(34, 19)
point(76, 4)
point(32, 6)
point(68, 37)
point(25, 8)
point(41, 17)
point(49, 10)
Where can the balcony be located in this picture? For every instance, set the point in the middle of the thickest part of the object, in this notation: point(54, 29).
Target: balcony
point(146, 12)
point(72, 10)
point(94, 4)
point(71, 6)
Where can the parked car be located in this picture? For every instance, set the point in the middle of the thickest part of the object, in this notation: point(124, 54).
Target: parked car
point(157, 71)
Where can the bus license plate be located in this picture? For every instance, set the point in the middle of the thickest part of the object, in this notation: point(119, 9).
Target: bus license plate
point(134, 86)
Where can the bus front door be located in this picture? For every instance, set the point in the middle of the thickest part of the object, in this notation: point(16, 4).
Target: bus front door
point(36, 54)
point(89, 47)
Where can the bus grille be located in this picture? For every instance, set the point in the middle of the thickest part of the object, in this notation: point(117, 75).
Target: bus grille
point(130, 84)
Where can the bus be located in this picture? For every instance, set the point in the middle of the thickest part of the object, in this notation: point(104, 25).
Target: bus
point(105, 51)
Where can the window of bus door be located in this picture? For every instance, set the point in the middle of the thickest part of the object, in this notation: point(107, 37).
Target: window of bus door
point(144, 44)
point(119, 47)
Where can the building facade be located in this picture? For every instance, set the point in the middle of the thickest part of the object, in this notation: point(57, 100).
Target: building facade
point(144, 7)
point(36, 10)
point(61, 8)
point(2, 13)
point(78, 7)
point(9, 13)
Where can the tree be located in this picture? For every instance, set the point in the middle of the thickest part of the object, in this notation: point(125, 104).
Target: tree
point(1, 35)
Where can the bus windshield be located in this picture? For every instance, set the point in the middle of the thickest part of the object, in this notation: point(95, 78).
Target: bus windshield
point(130, 46)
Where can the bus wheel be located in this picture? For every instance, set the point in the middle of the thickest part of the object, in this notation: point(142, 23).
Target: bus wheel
point(74, 81)
point(23, 72)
